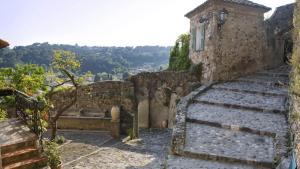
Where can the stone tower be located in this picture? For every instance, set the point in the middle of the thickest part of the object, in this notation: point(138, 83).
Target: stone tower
point(228, 38)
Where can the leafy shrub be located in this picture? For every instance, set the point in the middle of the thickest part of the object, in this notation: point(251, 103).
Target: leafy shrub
point(179, 56)
point(196, 70)
point(130, 133)
point(3, 114)
point(52, 153)
point(59, 140)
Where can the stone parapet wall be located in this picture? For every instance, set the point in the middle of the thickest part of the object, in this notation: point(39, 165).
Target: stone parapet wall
point(157, 94)
point(84, 123)
point(97, 99)
point(147, 99)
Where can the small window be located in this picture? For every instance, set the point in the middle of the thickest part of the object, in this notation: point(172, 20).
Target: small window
point(198, 37)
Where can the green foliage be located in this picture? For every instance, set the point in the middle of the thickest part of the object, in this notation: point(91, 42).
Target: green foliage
point(65, 66)
point(3, 114)
point(179, 56)
point(28, 78)
point(43, 124)
point(196, 70)
point(60, 140)
point(295, 61)
point(130, 133)
point(65, 60)
point(94, 59)
point(52, 153)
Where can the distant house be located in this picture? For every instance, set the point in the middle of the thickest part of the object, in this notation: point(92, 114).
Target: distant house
point(228, 37)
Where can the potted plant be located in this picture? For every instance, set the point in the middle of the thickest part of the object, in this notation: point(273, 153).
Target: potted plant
point(53, 155)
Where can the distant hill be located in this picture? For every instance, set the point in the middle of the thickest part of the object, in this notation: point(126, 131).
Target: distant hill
point(94, 59)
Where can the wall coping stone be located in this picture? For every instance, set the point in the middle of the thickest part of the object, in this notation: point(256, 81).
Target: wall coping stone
point(179, 130)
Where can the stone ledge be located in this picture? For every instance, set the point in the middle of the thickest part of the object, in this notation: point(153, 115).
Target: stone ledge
point(176, 162)
point(251, 92)
point(178, 135)
point(243, 107)
point(273, 74)
point(89, 123)
point(233, 127)
point(214, 157)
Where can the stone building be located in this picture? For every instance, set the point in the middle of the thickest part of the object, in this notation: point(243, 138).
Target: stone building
point(279, 29)
point(228, 38)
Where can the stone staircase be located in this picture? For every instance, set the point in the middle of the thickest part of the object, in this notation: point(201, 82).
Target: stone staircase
point(240, 124)
point(19, 147)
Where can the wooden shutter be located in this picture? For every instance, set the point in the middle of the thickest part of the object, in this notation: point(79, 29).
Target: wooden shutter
point(193, 39)
point(198, 39)
point(202, 36)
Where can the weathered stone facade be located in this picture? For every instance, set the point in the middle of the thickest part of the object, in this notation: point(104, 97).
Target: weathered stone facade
point(279, 29)
point(148, 99)
point(97, 99)
point(232, 46)
point(157, 94)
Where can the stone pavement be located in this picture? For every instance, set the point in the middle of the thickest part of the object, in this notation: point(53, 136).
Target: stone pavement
point(240, 124)
point(13, 130)
point(97, 150)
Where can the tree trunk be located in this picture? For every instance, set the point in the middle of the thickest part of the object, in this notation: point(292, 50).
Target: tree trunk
point(54, 129)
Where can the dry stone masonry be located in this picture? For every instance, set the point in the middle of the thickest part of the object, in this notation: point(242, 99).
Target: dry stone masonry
point(147, 99)
point(240, 124)
point(232, 36)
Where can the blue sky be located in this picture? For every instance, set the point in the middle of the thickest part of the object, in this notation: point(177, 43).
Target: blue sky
point(99, 22)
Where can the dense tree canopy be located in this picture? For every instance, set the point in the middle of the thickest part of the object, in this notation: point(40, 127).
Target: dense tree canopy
point(28, 78)
point(94, 59)
point(179, 56)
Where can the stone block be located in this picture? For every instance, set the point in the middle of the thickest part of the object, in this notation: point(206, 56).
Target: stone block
point(143, 114)
point(115, 129)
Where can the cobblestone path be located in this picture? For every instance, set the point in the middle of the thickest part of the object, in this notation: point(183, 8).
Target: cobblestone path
point(240, 124)
point(97, 150)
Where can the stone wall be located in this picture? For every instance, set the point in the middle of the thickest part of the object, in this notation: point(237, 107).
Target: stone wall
point(232, 48)
point(239, 42)
point(157, 95)
point(279, 35)
point(294, 119)
point(148, 98)
point(97, 99)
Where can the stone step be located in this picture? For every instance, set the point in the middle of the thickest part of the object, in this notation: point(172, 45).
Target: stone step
point(176, 162)
point(20, 155)
point(245, 120)
point(277, 81)
point(212, 143)
point(14, 131)
point(242, 100)
point(274, 74)
point(34, 163)
point(15, 146)
point(8, 122)
point(252, 88)
point(282, 69)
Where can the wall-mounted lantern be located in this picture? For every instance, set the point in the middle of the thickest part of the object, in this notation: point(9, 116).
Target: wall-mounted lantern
point(223, 15)
point(203, 19)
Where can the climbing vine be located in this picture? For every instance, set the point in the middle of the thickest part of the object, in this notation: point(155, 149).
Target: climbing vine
point(179, 56)
point(294, 116)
